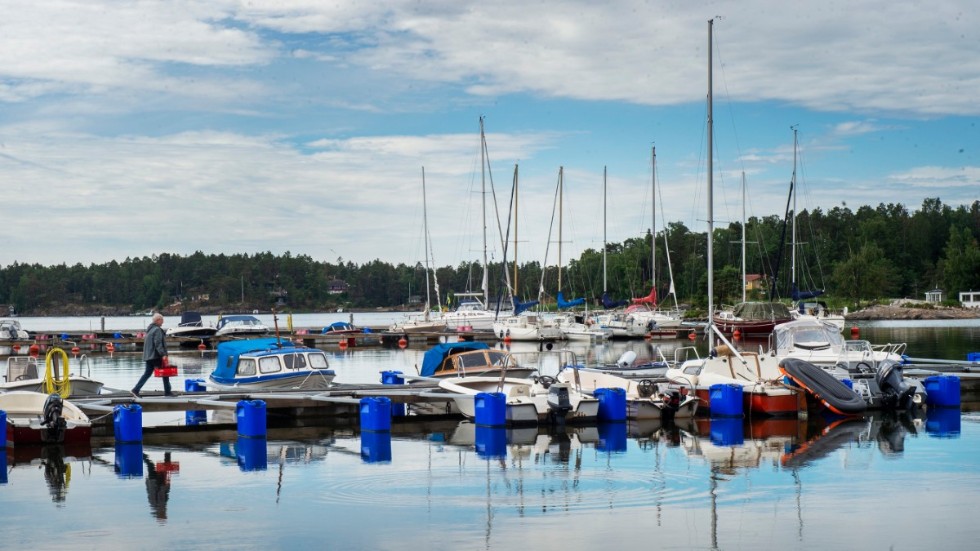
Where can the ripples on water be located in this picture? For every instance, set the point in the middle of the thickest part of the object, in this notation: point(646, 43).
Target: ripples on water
point(875, 482)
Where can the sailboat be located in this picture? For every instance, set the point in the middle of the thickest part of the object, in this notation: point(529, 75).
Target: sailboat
point(759, 377)
point(424, 323)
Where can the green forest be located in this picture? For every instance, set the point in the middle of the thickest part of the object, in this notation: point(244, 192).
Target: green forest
point(855, 256)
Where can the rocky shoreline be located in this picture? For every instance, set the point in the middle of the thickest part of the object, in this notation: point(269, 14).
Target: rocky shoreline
point(900, 312)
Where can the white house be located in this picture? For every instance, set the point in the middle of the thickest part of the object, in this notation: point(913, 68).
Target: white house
point(935, 296)
point(970, 299)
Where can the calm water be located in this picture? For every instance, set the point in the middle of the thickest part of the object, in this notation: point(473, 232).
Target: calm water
point(879, 482)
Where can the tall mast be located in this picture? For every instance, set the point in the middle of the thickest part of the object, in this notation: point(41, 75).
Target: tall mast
point(515, 233)
point(711, 221)
point(483, 194)
point(425, 237)
point(743, 236)
point(793, 188)
point(561, 196)
point(604, 287)
point(653, 223)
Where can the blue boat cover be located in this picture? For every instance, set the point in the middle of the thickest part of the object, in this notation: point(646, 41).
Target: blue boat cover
point(803, 295)
point(339, 326)
point(434, 356)
point(229, 351)
point(562, 303)
point(523, 306)
point(609, 303)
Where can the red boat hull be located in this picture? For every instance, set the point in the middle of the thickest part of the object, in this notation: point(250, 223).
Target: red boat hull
point(759, 402)
point(27, 436)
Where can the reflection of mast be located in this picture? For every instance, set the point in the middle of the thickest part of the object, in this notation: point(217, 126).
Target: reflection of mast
point(713, 491)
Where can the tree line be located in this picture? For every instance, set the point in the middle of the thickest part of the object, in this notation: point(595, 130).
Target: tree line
point(855, 256)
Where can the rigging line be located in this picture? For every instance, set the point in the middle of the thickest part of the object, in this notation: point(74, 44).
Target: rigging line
point(547, 246)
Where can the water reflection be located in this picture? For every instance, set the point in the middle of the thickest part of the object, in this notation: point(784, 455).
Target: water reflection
point(55, 462)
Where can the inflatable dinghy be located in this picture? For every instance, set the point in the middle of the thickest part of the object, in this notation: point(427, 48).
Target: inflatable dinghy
point(830, 390)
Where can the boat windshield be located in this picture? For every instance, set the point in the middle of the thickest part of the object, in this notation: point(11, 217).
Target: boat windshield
point(246, 367)
point(269, 364)
point(809, 337)
point(294, 361)
point(318, 360)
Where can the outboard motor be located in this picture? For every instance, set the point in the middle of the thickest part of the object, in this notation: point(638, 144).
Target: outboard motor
point(672, 402)
point(896, 393)
point(626, 359)
point(51, 418)
point(558, 401)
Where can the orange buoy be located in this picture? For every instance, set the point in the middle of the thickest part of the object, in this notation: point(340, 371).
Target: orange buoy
point(342, 344)
point(692, 335)
point(855, 331)
point(202, 347)
point(75, 350)
point(402, 342)
point(110, 348)
point(737, 334)
point(34, 350)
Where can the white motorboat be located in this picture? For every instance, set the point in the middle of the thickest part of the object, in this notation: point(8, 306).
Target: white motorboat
point(645, 398)
point(191, 330)
point(54, 375)
point(239, 326)
point(536, 400)
point(528, 326)
point(38, 418)
point(270, 363)
point(470, 359)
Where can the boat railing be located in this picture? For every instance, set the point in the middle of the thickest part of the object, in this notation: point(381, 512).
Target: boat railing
point(685, 353)
point(85, 363)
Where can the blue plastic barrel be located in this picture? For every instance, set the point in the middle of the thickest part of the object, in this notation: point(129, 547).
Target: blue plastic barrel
point(195, 417)
point(612, 404)
point(127, 423)
point(490, 409)
point(612, 437)
point(848, 383)
point(973, 357)
point(3, 461)
point(375, 446)
point(251, 454)
point(943, 422)
point(491, 442)
point(129, 460)
point(942, 390)
point(195, 385)
point(375, 413)
point(727, 431)
point(251, 418)
point(725, 400)
point(394, 378)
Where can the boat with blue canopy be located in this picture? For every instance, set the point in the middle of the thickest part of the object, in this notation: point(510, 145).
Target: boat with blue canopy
point(462, 359)
point(270, 363)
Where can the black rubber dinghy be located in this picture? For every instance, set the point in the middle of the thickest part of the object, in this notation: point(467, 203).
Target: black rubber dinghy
point(828, 389)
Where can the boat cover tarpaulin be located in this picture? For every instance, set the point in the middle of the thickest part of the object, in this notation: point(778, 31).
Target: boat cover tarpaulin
point(762, 311)
point(434, 356)
point(609, 303)
point(523, 306)
point(229, 351)
point(828, 389)
point(650, 299)
point(803, 295)
point(563, 304)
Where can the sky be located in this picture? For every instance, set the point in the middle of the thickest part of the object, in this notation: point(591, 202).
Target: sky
point(135, 128)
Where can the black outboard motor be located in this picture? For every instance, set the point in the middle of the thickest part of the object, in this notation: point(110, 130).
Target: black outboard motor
point(895, 392)
point(558, 401)
point(51, 418)
point(672, 402)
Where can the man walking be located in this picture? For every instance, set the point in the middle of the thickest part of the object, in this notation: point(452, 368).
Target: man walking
point(154, 354)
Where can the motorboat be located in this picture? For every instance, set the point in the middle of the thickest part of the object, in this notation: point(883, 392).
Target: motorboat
point(469, 359)
point(240, 325)
point(37, 418)
point(751, 318)
point(471, 314)
point(191, 330)
point(11, 330)
point(628, 366)
point(541, 399)
point(646, 399)
point(418, 323)
point(885, 388)
point(577, 327)
point(527, 326)
point(270, 363)
point(54, 375)
point(340, 328)
point(819, 311)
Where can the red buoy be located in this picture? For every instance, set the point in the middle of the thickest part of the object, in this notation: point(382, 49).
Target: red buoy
point(75, 350)
point(855, 331)
point(342, 344)
point(737, 334)
point(202, 347)
point(402, 342)
point(34, 350)
point(692, 335)
point(110, 348)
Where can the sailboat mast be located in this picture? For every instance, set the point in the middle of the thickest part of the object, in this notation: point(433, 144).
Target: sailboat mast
point(793, 187)
point(515, 232)
point(483, 194)
point(653, 223)
point(604, 287)
point(711, 220)
point(425, 237)
point(743, 236)
point(561, 196)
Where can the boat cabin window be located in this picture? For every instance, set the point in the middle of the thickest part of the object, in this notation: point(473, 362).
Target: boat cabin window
point(693, 369)
point(498, 359)
point(269, 364)
point(246, 367)
point(294, 361)
point(469, 362)
point(318, 361)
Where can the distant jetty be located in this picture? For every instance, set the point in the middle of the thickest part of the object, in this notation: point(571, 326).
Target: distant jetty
point(904, 309)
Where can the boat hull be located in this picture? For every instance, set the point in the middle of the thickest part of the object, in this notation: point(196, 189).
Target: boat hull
point(315, 380)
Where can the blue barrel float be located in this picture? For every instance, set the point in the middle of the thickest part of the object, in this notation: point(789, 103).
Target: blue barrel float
point(375, 413)
point(196, 416)
point(251, 418)
point(490, 409)
point(943, 422)
point(942, 390)
point(3, 452)
point(127, 423)
point(251, 453)
point(375, 446)
point(612, 404)
point(491, 442)
point(394, 378)
point(725, 400)
point(129, 460)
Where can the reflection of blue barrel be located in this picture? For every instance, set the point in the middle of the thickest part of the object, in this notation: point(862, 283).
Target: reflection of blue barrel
point(490, 409)
point(727, 431)
point(251, 454)
point(612, 404)
point(129, 460)
point(942, 390)
point(195, 385)
point(375, 446)
point(725, 400)
point(375, 413)
point(491, 442)
point(943, 422)
point(612, 437)
point(394, 378)
point(251, 418)
point(3, 457)
point(127, 423)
